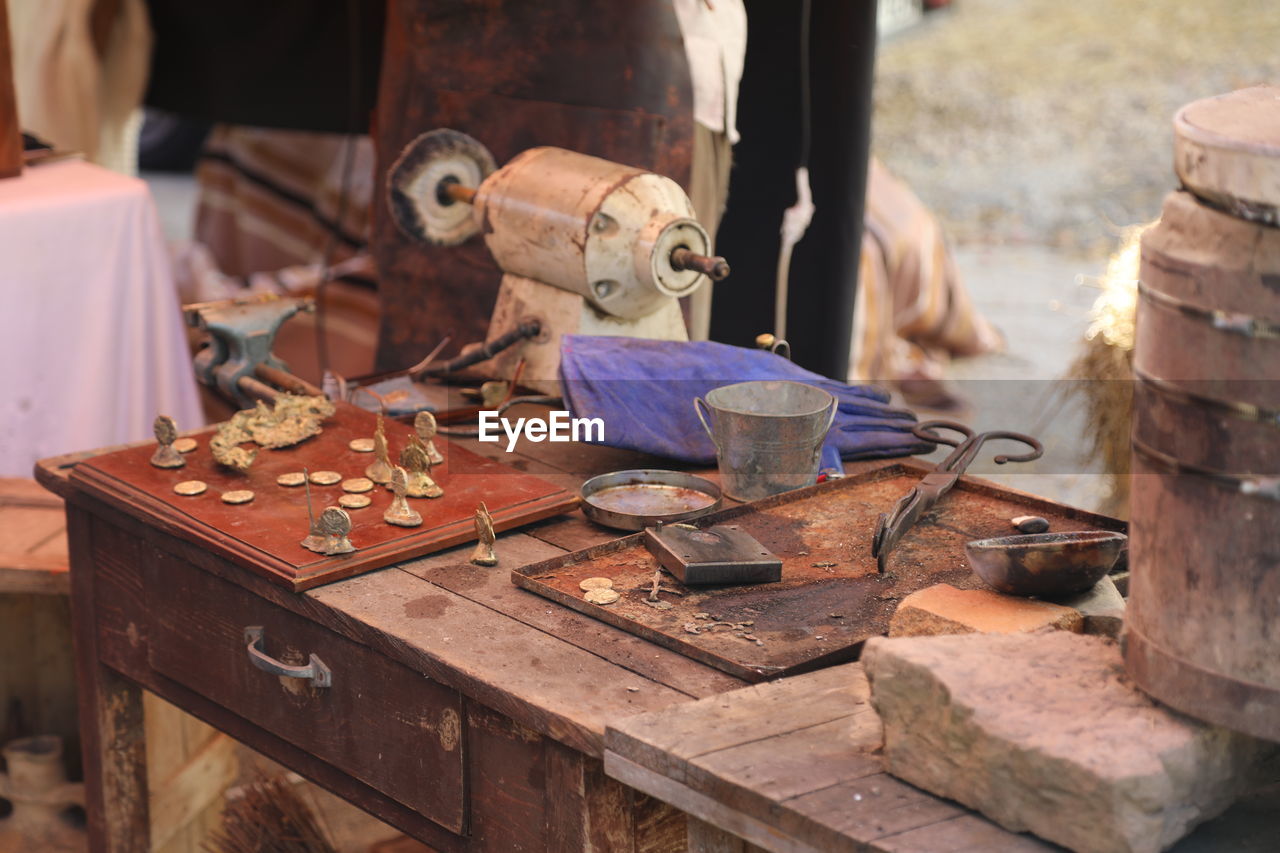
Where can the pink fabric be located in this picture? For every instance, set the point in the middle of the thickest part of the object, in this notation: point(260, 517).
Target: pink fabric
point(91, 339)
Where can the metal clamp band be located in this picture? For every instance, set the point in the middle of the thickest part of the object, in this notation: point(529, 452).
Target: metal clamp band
point(1263, 487)
point(1236, 323)
point(315, 670)
point(1234, 408)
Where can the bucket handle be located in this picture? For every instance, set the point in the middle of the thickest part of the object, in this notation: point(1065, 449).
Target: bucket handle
point(698, 405)
point(831, 417)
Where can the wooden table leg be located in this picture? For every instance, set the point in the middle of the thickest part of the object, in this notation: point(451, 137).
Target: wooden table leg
point(111, 730)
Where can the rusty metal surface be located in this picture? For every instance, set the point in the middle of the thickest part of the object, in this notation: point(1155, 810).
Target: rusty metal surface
point(515, 75)
point(830, 598)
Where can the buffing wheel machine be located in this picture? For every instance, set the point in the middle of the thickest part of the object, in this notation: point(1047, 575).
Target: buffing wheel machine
point(586, 246)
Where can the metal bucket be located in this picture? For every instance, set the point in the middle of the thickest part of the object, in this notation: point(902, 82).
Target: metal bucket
point(768, 435)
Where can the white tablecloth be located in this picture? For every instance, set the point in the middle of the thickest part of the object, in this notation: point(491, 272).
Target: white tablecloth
point(91, 339)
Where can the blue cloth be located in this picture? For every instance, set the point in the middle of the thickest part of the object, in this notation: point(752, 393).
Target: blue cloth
point(643, 390)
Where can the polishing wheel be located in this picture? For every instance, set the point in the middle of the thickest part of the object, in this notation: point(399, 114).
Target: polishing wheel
point(418, 186)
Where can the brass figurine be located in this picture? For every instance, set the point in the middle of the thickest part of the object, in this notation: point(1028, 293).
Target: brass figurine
point(424, 423)
point(484, 554)
point(335, 524)
point(400, 513)
point(315, 539)
point(417, 465)
point(166, 433)
point(379, 470)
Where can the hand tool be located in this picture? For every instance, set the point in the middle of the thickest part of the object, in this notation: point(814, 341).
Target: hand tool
point(242, 333)
point(586, 246)
point(891, 527)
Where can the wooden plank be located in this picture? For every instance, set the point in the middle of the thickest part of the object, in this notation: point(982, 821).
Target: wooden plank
point(756, 775)
point(566, 817)
point(572, 532)
point(865, 809)
point(666, 741)
point(704, 838)
point(492, 588)
point(111, 722)
point(26, 492)
point(33, 546)
point(797, 757)
point(35, 575)
point(745, 826)
point(507, 768)
point(184, 794)
point(967, 833)
point(535, 678)
point(26, 528)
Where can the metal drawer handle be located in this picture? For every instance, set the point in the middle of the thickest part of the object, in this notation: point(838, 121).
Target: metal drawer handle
point(316, 671)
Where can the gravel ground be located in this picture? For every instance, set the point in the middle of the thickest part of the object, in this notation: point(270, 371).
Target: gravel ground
point(1035, 129)
point(1049, 121)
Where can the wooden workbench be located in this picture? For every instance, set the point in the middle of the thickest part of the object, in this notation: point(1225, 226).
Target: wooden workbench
point(465, 711)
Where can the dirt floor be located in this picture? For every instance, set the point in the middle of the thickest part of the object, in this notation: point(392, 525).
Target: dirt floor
point(1049, 121)
point(1035, 130)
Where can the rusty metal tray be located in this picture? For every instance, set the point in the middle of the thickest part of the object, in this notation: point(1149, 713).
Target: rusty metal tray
point(830, 598)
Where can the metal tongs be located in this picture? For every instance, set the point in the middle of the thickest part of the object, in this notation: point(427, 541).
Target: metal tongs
point(893, 526)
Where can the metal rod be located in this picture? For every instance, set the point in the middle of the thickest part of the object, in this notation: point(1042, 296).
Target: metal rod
point(287, 381)
point(715, 267)
point(457, 192)
point(257, 390)
point(528, 328)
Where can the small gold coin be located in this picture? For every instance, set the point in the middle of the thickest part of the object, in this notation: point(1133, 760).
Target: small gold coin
point(601, 596)
point(354, 501)
point(325, 478)
point(595, 583)
point(357, 485)
point(294, 478)
point(190, 488)
point(361, 445)
point(185, 445)
point(239, 496)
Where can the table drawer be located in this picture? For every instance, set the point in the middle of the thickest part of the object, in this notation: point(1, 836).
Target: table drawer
point(393, 729)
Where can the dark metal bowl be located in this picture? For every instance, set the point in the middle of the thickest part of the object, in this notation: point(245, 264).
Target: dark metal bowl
point(1045, 564)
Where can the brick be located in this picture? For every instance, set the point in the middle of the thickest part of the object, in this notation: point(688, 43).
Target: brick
point(1043, 733)
point(1102, 608)
point(943, 609)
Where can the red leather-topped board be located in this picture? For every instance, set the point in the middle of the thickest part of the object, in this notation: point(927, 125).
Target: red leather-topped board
point(264, 535)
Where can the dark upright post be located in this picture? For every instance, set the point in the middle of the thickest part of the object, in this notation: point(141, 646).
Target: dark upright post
point(824, 267)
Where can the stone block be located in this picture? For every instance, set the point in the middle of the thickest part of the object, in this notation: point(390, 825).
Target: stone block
point(1102, 608)
point(943, 609)
point(1042, 732)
